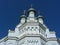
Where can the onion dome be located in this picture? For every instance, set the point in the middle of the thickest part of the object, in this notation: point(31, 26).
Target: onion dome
point(31, 9)
point(23, 16)
point(39, 16)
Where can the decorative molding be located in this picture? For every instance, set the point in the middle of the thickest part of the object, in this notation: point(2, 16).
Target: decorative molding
point(52, 32)
point(13, 38)
point(52, 39)
point(33, 35)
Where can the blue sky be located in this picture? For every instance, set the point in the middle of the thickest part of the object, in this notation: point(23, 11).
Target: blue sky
point(11, 10)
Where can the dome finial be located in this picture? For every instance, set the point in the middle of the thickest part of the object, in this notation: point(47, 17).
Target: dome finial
point(31, 5)
point(38, 12)
point(23, 16)
point(24, 12)
point(31, 9)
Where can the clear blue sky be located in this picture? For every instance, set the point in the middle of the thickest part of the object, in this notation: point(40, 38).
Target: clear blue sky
point(11, 10)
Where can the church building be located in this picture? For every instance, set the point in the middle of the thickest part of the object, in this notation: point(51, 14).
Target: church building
point(31, 30)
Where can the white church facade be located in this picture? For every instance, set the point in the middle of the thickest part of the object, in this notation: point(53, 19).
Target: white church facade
point(30, 31)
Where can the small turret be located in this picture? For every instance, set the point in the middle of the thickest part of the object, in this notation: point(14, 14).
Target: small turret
point(23, 18)
point(31, 12)
point(40, 18)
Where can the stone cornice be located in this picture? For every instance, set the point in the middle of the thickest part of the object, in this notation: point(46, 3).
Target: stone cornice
point(52, 39)
point(32, 35)
point(8, 38)
point(52, 32)
point(12, 38)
